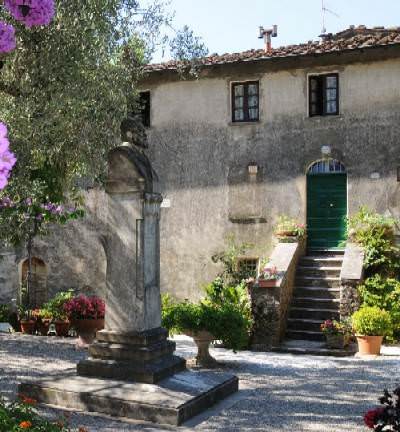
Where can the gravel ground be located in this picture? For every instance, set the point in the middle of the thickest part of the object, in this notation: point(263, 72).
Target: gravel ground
point(278, 392)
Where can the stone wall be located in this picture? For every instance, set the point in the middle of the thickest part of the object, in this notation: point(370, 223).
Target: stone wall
point(270, 305)
point(350, 277)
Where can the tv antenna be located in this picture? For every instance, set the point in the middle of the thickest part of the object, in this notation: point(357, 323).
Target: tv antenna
point(325, 10)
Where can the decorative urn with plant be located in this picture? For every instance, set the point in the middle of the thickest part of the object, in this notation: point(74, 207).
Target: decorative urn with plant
point(86, 315)
point(371, 325)
point(337, 334)
point(288, 229)
point(60, 318)
point(205, 322)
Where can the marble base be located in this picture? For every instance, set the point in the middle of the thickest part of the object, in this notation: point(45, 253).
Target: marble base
point(145, 357)
point(171, 401)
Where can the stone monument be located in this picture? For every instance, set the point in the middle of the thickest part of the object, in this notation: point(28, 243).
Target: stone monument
point(133, 353)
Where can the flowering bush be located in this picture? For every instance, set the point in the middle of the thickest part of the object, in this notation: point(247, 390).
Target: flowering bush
point(20, 415)
point(31, 12)
point(333, 327)
point(268, 272)
point(372, 321)
point(387, 417)
point(7, 158)
point(83, 307)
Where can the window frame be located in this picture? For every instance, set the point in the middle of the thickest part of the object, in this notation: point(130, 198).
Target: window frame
point(145, 111)
point(323, 77)
point(245, 85)
point(243, 259)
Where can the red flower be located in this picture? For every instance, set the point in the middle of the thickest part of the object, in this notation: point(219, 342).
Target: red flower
point(371, 417)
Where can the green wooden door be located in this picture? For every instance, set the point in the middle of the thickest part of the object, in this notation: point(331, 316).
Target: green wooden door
point(326, 210)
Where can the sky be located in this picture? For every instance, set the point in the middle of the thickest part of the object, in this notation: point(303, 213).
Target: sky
point(232, 25)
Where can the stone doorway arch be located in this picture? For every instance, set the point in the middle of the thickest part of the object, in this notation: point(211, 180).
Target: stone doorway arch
point(37, 294)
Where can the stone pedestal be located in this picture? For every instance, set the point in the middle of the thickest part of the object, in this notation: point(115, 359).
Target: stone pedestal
point(138, 356)
point(132, 352)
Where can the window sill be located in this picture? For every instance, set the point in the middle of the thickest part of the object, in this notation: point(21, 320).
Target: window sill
point(324, 117)
point(244, 123)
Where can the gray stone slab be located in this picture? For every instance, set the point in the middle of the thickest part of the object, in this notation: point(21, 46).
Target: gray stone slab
point(171, 401)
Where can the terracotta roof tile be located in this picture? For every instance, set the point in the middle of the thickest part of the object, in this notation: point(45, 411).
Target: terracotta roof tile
point(350, 39)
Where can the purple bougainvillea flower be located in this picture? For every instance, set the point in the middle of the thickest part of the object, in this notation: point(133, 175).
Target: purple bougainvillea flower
point(7, 158)
point(31, 12)
point(7, 38)
point(3, 130)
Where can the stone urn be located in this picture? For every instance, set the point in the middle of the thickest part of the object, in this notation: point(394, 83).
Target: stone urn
point(336, 341)
point(86, 330)
point(369, 345)
point(203, 358)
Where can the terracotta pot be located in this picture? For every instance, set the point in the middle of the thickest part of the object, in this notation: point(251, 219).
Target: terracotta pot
point(86, 330)
point(267, 283)
point(203, 358)
point(369, 345)
point(43, 327)
point(286, 233)
point(335, 341)
point(28, 327)
point(62, 328)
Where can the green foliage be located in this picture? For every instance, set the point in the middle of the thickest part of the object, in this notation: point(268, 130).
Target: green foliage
point(20, 416)
point(289, 229)
point(225, 323)
point(219, 294)
point(66, 88)
point(54, 308)
point(232, 273)
point(372, 321)
point(185, 46)
point(375, 233)
point(383, 292)
point(4, 313)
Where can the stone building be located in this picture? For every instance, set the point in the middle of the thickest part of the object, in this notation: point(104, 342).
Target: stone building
point(310, 130)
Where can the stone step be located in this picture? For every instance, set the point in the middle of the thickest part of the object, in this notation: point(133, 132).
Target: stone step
point(325, 252)
point(321, 261)
point(304, 324)
point(312, 281)
point(315, 291)
point(304, 335)
point(314, 314)
point(316, 303)
point(321, 271)
point(306, 347)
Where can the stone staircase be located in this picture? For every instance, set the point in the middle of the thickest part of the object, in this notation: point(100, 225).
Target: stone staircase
point(316, 294)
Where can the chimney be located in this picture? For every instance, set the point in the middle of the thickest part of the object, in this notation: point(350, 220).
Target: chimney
point(266, 34)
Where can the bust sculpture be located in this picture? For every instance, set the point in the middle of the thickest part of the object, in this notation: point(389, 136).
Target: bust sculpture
point(129, 168)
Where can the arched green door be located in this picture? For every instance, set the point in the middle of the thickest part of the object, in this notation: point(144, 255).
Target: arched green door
point(326, 205)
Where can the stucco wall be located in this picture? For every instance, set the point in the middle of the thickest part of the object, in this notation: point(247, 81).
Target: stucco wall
point(202, 160)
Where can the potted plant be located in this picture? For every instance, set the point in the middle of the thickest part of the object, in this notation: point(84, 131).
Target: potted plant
point(27, 320)
point(268, 276)
point(288, 229)
point(60, 318)
point(86, 315)
point(337, 334)
point(370, 325)
point(44, 318)
point(206, 322)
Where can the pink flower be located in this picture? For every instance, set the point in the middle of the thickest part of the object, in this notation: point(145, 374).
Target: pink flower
point(7, 158)
point(7, 39)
